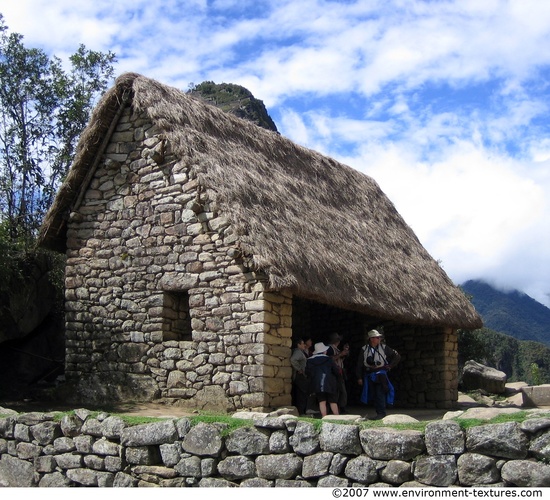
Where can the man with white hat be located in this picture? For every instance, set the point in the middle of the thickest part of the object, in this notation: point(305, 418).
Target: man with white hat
point(373, 364)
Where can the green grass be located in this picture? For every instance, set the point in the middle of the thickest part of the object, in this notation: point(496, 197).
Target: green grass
point(518, 417)
point(228, 424)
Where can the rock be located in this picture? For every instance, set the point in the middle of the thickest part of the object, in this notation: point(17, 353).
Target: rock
point(540, 447)
point(292, 411)
point(362, 469)
point(487, 413)
point(248, 441)
point(478, 376)
point(396, 472)
point(149, 434)
point(143, 455)
point(34, 417)
point(88, 477)
point(340, 438)
point(123, 480)
point(497, 440)
point(273, 422)
point(278, 442)
point(54, 480)
point(525, 473)
point(105, 447)
point(46, 432)
point(305, 439)
point(7, 427)
point(343, 418)
point(68, 461)
point(189, 467)
point(284, 466)
point(399, 419)
point(291, 483)
point(83, 444)
point(249, 415)
point(317, 465)
point(476, 469)
point(93, 427)
point(515, 387)
point(170, 453)
point(332, 482)
point(533, 425)
point(338, 464)
point(444, 437)
point(515, 400)
point(45, 464)
point(155, 470)
point(537, 395)
point(183, 425)
point(256, 482)
point(237, 467)
point(7, 412)
point(113, 427)
point(16, 473)
point(203, 440)
point(64, 445)
point(71, 425)
point(388, 444)
point(436, 471)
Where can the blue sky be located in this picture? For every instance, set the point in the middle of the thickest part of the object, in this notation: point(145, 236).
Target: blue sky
point(443, 103)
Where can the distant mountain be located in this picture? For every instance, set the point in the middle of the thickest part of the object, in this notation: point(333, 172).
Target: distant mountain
point(236, 100)
point(513, 313)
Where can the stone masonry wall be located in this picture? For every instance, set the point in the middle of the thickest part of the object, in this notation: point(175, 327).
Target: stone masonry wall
point(85, 449)
point(143, 238)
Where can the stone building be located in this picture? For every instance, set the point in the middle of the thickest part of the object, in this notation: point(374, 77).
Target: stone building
point(199, 245)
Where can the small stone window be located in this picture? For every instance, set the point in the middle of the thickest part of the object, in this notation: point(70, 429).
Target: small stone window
point(177, 321)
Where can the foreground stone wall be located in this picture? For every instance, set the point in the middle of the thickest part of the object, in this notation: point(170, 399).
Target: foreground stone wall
point(281, 451)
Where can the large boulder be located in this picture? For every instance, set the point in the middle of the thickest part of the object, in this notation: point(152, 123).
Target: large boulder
point(478, 376)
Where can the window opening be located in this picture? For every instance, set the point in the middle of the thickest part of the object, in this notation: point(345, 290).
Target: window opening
point(177, 320)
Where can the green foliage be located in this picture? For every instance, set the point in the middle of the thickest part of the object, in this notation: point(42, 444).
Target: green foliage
point(503, 352)
point(43, 110)
point(535, 374)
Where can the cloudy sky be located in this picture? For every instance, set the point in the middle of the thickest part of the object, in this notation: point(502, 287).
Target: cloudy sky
point(443, 103)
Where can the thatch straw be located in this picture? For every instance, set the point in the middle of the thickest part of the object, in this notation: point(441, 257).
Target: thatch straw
point(316, 227)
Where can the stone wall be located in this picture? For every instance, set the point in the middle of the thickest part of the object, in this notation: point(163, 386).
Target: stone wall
point(143, 241)
point(85, 449)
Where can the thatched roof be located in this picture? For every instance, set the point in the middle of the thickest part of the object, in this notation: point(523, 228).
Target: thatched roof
point(316, 227)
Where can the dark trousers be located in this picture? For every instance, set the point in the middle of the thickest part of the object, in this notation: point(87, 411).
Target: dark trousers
point(300, 393)
point(378, 392)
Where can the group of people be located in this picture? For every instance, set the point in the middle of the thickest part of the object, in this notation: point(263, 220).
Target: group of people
point(319, 376)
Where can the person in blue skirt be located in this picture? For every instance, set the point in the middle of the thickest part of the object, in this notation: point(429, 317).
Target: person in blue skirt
point(373, 364)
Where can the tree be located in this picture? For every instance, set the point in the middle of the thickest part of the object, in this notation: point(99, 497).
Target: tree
point(43, 110)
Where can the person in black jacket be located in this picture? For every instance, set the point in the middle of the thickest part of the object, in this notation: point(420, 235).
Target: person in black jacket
point(323, 373)
point(373, 364)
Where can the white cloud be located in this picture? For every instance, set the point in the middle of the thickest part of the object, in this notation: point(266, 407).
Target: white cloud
point(444, 103)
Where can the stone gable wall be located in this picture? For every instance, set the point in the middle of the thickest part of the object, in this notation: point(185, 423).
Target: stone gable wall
point(85, 449)
point(142, 231)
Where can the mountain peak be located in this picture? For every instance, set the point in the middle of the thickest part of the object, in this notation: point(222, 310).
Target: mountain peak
point(511, 312)
point(236, 100)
